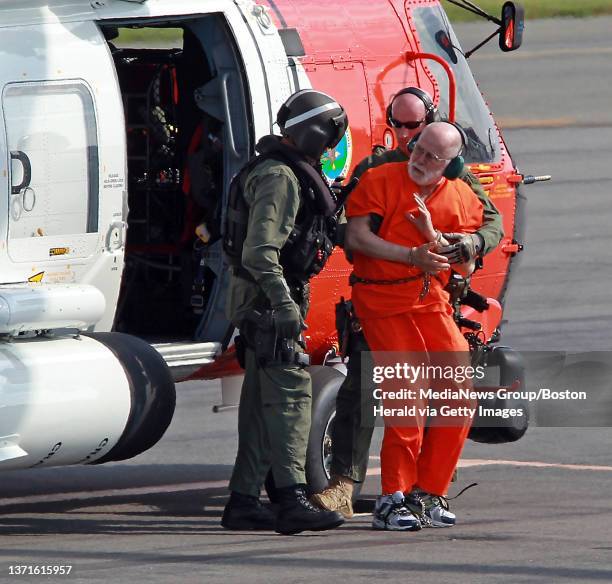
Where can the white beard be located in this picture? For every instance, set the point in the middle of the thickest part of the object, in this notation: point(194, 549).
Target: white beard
point(421, 177)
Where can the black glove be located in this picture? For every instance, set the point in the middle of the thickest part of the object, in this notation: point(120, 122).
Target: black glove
point(287, 318)
point(462, 248)
point(336, 186)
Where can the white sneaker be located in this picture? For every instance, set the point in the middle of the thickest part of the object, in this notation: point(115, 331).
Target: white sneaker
point(390, 514)
point(436, 510)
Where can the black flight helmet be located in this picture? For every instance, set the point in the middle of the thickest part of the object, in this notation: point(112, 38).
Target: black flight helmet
point(313, 120)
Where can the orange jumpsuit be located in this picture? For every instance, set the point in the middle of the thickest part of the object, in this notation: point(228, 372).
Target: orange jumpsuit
point(396, 317)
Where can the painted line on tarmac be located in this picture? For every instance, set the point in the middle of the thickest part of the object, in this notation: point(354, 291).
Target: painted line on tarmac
point(473, 462)
point(525, 123)
point(509, 123)
point(86, 495)
point(547, 53)
point(203, 485)
point(470, 462)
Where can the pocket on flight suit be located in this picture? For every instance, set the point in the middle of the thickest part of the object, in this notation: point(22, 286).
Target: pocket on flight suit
point(285, 384)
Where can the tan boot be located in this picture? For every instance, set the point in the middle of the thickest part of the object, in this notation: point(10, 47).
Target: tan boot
point(337, 496)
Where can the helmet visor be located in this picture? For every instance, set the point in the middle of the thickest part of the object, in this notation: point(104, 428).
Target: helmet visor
point(339, 124)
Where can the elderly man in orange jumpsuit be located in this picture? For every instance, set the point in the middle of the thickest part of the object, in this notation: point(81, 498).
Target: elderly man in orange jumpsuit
point(399, 282)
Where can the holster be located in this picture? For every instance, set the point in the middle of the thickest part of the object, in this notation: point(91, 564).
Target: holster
point(347, 326)
point(240, 345)
point(288, 354)
point(259, 334)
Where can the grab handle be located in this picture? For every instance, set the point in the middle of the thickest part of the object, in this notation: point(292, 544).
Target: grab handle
point(27, 171)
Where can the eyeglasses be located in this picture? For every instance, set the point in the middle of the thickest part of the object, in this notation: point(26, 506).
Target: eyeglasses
point(418, 150)
point(408, 125)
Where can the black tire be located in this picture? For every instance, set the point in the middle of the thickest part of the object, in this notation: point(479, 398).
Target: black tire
point(326, 382)
point(503, 430)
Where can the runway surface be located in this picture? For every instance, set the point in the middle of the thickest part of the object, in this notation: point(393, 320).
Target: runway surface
point(541, 512)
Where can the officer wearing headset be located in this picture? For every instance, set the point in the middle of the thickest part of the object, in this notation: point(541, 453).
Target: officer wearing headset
point(408, 113)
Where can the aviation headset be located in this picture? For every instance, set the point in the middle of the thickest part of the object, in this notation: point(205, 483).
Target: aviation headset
point(456, 165)
point(313, 120)
point(431, 112)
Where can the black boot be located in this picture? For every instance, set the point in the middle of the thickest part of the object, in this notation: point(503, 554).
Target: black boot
point(245, 512)
point(298, 514)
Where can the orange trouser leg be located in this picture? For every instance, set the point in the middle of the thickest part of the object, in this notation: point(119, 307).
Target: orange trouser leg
point(411, 456)
point(399, 455)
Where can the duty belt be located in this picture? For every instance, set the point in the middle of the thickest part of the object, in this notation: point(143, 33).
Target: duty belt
point(353, 279)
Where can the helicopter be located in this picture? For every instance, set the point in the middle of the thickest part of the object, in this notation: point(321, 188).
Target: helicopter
point(116, 161)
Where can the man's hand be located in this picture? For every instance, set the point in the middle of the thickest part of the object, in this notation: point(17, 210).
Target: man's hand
point(288, 320)
point(422, 220)
point(423, 258)
point(462, 248)
point(336, 187)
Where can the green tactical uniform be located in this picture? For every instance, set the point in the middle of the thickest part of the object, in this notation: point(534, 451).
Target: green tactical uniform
point(351, 437)
point(275, 404)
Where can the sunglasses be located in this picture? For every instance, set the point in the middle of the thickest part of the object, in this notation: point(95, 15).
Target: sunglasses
point(408, 125)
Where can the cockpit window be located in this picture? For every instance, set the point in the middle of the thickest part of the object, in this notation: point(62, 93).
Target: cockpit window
point(437, 36)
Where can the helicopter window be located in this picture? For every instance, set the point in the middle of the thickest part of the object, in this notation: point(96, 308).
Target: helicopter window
point(52, 135)
point(436, 36)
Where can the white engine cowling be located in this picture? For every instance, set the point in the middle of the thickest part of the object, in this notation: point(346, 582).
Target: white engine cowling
point(80, 400)
point(31, 307)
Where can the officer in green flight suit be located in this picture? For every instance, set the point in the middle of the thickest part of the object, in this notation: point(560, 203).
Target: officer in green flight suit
point(279, 232)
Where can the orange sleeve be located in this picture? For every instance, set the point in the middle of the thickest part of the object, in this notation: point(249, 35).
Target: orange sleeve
point(368, 196)
point(459, 210)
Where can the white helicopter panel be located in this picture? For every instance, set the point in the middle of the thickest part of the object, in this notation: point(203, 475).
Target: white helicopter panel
point(63, 140)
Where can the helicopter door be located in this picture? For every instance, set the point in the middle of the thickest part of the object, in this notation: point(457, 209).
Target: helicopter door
point(53, 194)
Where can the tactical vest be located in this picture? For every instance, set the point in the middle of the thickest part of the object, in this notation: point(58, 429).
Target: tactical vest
point(312, 239)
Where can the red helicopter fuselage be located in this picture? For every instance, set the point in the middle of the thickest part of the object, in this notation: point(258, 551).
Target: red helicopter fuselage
point(363, 54)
